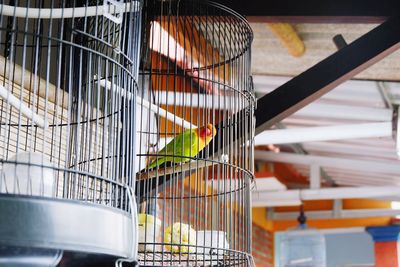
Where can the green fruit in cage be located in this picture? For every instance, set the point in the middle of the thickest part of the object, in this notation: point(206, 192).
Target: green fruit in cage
point(178, 237)
point(149, 232)
point(184, 146)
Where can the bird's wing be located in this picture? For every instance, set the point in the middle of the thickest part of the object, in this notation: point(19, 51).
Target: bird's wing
point(173, 148)
point(179, 146)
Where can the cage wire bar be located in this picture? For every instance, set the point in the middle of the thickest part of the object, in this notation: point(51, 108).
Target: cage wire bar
point(66, 126)
point(195, 132)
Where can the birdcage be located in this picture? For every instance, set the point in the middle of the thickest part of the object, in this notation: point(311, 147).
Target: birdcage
point(195, 136)
point(68, 81)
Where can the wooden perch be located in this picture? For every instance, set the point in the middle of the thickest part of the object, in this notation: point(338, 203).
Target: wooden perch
point(147, 182)
point(191, 165)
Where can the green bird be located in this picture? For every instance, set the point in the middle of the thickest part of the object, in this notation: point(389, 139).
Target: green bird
point(193, 140)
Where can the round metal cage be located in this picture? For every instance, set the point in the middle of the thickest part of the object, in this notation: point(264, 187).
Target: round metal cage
point(68, 81)
point(61, 70)
point(195, 135)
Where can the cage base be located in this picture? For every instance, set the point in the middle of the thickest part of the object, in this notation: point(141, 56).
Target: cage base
point(193, 259)
point(66, 225)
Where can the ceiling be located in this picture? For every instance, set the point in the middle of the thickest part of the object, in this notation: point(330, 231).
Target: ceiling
point(352, 103)
point(269, 57)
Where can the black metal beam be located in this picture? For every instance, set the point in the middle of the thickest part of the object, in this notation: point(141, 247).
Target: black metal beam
point(316, 10)
point(327, 74)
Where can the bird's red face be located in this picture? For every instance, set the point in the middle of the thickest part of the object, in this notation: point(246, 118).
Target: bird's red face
point(207, 132)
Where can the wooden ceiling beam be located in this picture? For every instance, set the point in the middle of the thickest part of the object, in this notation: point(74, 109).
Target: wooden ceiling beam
point(289, 38)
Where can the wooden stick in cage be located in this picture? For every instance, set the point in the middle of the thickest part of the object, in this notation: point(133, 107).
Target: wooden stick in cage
point(147, 182)
point(188, 166)
point(154, 108)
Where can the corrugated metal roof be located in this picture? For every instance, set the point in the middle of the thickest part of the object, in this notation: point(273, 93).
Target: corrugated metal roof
point(352, 95)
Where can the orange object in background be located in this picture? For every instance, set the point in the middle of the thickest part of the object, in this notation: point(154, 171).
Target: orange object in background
point(192, 50)
point(386, 245)
point(386, 254)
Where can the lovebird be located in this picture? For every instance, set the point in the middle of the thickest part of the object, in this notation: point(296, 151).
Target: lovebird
point(193, 140)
